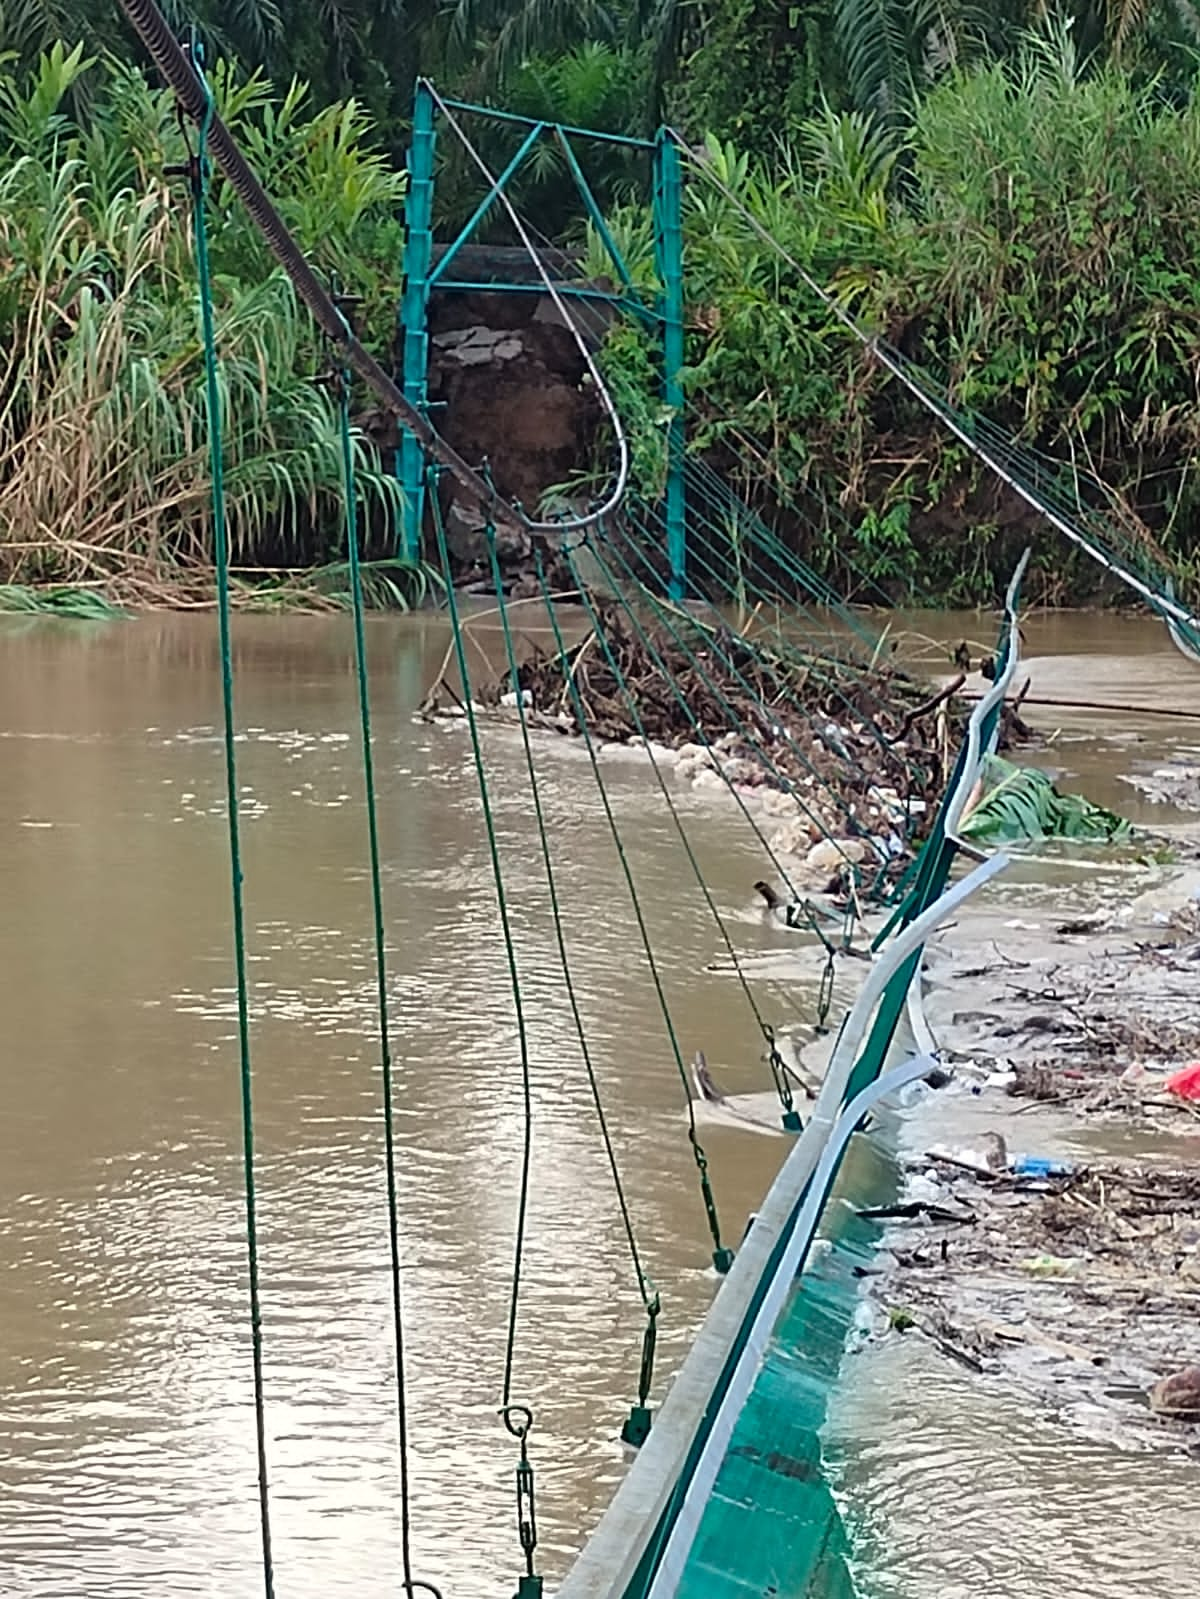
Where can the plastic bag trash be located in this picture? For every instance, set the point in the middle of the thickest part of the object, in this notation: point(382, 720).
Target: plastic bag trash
point(1186, 1083)
point(1050, 1266)
point(923, 1188)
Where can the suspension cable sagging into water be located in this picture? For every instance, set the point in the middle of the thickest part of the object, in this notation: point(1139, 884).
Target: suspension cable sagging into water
point(199, 172)
point(350, 494)
point(671, 620)
point(713, 637)
point(597, 554)
point(778, 1069)
point(722, 1257)
point(646, 1289)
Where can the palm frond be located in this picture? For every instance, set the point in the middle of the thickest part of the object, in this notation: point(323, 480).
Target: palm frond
point(72, 604)
point(103, 433)
point(873, 38)
point(1020, 804)
point(386, 585)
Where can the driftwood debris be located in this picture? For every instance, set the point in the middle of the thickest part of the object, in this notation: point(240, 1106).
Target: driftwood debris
point(866, 747)
point(1094, 1272)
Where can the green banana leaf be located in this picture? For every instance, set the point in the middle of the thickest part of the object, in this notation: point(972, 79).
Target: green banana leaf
point(1021, 805)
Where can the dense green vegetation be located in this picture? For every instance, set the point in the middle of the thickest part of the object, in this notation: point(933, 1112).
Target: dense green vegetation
point(103, 473)
point(1017, 210)
point(1034, 240)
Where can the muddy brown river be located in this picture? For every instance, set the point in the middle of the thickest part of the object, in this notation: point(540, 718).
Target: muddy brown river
point(127, 1464)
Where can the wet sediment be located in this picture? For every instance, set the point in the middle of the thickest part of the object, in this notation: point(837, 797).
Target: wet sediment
point(1074, 1282)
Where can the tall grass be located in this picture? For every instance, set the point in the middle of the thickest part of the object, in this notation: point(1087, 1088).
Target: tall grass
point(104, 477)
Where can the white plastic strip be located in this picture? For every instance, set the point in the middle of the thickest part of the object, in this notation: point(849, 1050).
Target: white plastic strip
point(994, 697)
point(919, 1026)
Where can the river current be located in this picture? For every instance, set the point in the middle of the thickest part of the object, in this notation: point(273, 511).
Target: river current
point(127, 1449)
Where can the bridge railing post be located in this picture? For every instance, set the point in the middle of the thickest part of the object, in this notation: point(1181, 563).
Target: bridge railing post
point(414, 306)
point(668, 243)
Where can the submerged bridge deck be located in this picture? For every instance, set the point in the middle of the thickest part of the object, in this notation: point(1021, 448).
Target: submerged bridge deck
point(771, 1524)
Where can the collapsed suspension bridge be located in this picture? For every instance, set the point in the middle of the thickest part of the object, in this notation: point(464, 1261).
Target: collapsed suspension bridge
point(851, 777)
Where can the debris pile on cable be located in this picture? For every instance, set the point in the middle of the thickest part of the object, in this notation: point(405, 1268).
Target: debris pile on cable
point(848, 759)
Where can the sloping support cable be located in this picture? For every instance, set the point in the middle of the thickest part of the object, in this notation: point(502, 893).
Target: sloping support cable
point(1163, 603)
point(151, 27)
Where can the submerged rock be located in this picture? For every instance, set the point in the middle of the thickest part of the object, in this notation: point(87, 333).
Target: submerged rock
point(831, 853)
point(1178, 1395)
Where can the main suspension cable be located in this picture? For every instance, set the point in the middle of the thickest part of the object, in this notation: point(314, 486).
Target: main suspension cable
point(195, 101)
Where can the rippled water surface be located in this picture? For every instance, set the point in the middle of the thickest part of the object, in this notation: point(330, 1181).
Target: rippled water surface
point(955, 1491)
point(127, 1461)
